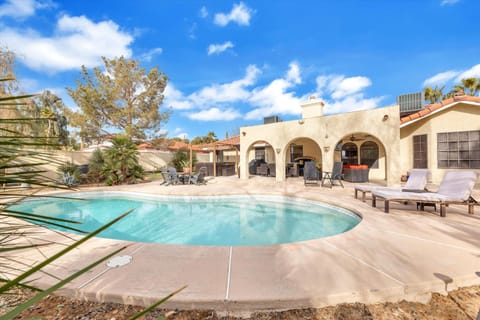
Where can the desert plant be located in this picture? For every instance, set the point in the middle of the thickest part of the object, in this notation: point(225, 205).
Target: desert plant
point(121, 162)
point(69, 174)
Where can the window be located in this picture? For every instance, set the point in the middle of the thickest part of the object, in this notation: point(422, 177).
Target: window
point(349, 153)
point(459, 149)
point(260, 154)
point(296, 151)
point(369, 154)
point(420, 151)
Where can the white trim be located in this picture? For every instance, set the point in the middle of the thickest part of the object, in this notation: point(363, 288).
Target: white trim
point(438, 110)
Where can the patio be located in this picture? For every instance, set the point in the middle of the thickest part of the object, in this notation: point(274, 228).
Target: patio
point(406, 254)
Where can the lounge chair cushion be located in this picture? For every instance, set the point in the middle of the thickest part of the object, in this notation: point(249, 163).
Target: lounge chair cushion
point(458, 185)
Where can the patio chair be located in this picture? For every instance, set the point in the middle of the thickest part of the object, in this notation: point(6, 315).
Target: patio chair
point(415, 183)
point(170, 176)
point(262, 169)
point(310, 173)
point(334, 175)
point(271, 169)
point(199, 177)
point(455, 188)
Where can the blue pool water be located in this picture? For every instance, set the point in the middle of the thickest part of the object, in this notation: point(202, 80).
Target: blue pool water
point(222, 221)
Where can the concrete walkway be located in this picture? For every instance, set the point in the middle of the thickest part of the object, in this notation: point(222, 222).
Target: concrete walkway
point(406, 254)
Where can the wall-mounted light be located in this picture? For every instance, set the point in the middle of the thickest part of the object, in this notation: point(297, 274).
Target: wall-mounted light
point(326, 148)
point(278, 150)
point(301, 121)
point(385, 117)
point(243, 133)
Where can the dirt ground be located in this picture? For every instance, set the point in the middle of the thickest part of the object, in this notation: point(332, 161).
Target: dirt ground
point(461, 304)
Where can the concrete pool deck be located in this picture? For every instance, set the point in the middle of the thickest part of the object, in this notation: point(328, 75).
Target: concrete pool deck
point(406, 254)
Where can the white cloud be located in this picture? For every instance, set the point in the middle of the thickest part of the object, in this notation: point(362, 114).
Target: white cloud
point(441, 78)
point(215, 114)
point(178, 130)
point(240, 14)
point(448, 2)
point(77, 41)
point(274, 98)
point(227, 92)
point(345, 94)
point(218, 48)
point(348, 86)
point(203, 12)
point(445, 77)
point(22, 8)
point(215, 102)
point(148, 56)
point(351, 103)
point(473, 72)
point(293, 73)
point(174, 98)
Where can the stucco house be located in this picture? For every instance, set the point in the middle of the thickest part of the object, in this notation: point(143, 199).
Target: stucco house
point(439, 137)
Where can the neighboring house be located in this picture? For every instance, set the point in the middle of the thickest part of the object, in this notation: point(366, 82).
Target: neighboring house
point(436, 136)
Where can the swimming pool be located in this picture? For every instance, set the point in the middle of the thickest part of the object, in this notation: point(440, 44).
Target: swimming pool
point(215, 221)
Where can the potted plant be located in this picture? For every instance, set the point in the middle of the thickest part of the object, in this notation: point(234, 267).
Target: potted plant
point(185, 165)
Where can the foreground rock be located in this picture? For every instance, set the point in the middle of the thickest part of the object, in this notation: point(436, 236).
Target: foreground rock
point(461, 304)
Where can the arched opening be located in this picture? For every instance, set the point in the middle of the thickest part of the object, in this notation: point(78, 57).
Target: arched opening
point(362, 151)
point(261, 159)
point(299, 151)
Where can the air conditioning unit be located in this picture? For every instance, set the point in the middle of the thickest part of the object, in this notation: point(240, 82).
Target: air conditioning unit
point(271, 119)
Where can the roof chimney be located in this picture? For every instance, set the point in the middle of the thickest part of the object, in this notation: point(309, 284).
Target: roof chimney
point(312, 108)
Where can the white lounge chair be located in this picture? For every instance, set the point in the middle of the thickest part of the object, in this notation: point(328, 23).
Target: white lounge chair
point(416, 183)
point(455, 188)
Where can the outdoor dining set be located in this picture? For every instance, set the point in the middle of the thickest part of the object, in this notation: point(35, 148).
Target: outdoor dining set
point(172, 177)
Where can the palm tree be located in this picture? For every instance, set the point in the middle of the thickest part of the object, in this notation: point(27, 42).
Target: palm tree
point(210, 137)
point(121, 162)
point(434, 95)
point(469, 86)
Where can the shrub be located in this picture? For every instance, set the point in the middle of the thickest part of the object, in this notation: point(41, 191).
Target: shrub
point(181, 159)
point(121, 162)
point(95, 166)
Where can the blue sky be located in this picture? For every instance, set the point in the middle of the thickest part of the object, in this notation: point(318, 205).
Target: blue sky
point(231, 63)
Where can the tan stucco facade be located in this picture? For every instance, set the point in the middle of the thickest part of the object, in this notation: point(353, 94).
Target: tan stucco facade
point(321, 134)
point(461, 116)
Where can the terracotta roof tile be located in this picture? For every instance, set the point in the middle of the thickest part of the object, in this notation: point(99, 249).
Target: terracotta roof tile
point(432, 107)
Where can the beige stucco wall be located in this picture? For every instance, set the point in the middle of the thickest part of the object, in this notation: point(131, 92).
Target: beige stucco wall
point(459, 117)
point(327, 131)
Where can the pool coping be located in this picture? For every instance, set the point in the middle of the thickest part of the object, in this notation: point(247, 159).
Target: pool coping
point(376, 261)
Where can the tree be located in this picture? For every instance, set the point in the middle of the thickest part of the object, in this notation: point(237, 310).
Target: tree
point(469, 86)
point(122, 96)
point(433, 95)
point(209, 138)
point(7, 63)
point(52, 124)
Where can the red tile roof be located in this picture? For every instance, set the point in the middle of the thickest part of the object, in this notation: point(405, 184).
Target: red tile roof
point(436, 106)
point(225, 144)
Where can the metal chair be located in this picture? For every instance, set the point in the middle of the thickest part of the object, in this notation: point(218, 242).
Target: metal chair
point(334, 175)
